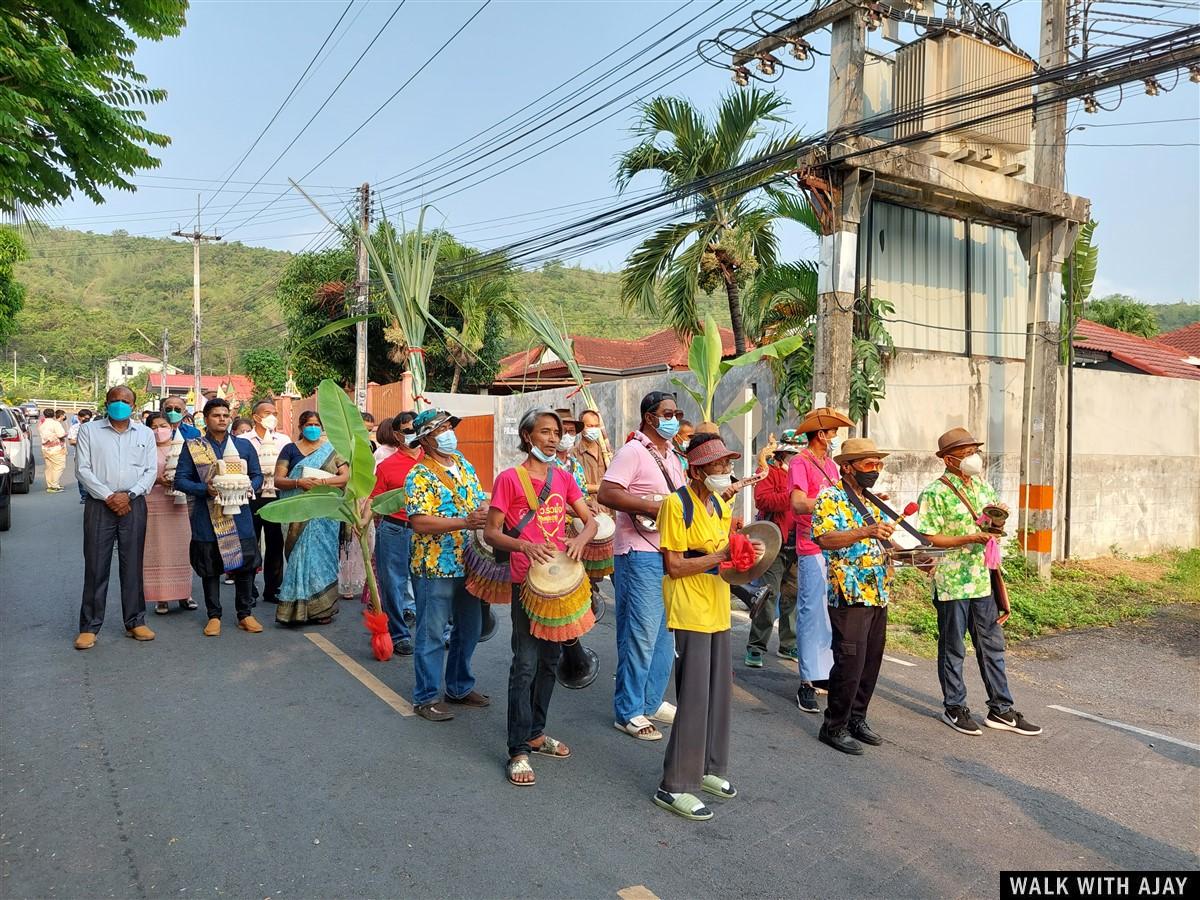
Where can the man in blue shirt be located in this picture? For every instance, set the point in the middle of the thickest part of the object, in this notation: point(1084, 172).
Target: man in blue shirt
point(116, 464)
point(220, 543)
point(175, 410)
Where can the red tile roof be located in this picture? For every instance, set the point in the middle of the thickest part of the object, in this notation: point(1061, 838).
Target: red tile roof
point(660, 350)
point(1186, 339)
point(137, 357)
point(1149, 356)
point(243, 387)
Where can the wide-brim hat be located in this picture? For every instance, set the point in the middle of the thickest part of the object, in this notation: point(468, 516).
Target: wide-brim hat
point(567, 416)
point(767, 534)
point(955, 438)
point(823, 419)
point(429, 421)
point(710, 452)
point(858, 448)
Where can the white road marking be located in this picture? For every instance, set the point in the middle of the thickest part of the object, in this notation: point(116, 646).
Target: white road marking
point(900, 662)
point(1122, 725)
point(369, 681)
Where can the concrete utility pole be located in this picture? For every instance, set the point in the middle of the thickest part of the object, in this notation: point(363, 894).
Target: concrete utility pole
point(197, 238)
point(362, 285)
point(1047, 241)
point(162, 390)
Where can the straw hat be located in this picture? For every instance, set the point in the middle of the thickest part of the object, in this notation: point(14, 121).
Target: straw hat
point(955, 438)
point(858, 448)
point(823, 419)
point(567, 416)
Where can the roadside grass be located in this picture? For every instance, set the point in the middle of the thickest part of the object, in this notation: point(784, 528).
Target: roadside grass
point(1084, 594)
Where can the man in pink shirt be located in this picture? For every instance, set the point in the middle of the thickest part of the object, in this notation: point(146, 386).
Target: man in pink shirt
point(645, 467)
point(812, 470)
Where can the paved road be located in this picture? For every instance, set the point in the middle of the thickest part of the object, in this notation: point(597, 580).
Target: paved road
point(256, 766)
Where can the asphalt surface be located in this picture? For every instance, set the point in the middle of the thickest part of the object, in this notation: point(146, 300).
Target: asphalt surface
point(255, 766)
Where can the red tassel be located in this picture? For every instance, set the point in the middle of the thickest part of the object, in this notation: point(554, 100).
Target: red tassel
point(381, 638)
point(910, 509)
point(741, 553)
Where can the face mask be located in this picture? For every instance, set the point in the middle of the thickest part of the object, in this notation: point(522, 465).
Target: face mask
point(567, 442)
point(834, 448)
point(682, 446)
point(174, 416)
point(592, 434)
point(718, 484)
point(447, 442)
point(971, 465)
point(667, 428)
point(542, 457)
point(269, 422)
point(866, 479)
point(162, 433)
point(311, 432)
point(119, 410)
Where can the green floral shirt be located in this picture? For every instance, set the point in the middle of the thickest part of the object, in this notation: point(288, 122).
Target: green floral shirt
point(859, 575)
point(960, 574)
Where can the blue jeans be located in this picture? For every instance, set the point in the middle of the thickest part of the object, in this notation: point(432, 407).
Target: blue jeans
point(393, 552)
point(645, 649)
point(977, 616)
point(814, 637)
point(437, 600)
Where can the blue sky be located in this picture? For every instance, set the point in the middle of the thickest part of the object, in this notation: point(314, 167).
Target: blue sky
point(236, 61)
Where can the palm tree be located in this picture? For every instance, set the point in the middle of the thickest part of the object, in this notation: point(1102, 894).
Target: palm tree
point(726, 233)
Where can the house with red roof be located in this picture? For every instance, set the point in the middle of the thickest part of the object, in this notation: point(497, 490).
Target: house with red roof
point(1107, 349)
point(231, 387)
point(127, 366)
point(1186, 339)
point(600, 359)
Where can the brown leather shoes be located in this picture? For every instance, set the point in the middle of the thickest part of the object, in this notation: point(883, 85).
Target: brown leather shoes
point(473, 700)
point(249, 624)
point(431, 712)
point(213, 628)
point(140, 633)
point(85, 641)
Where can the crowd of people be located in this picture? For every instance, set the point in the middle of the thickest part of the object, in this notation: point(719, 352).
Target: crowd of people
point(823, 569)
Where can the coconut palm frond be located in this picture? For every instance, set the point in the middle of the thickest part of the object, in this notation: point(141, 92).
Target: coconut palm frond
point(651, 261)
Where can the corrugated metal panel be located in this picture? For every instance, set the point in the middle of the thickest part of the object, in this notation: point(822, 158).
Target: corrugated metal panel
point(908, 90)
point(1000, 288)
point(917, 263)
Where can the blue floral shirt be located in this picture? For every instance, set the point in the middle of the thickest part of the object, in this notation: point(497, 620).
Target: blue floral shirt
point(858, 574)
point(441, 555)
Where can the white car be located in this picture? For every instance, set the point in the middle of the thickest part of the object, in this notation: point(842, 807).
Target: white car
point(17, 437)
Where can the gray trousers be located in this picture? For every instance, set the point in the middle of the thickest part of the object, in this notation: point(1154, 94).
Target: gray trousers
point(781, 578)
point(101, 529)
point(699, 743)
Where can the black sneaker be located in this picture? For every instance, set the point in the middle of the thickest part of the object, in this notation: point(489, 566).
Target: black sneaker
point(806, 698)
point(408, 617)
point(1011, 721)
point(959, 718)
point(404, 647)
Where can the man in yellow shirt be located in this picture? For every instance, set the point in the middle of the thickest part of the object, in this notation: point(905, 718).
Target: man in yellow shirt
point(693, 529)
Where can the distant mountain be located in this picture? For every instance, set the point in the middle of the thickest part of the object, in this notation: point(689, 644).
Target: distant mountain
point(1175, 315)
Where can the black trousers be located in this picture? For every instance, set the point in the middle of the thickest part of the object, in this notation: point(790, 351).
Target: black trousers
point(859, 633)
point(101, 529)
point(272, 552)
point(530, 680)
point(207, 563)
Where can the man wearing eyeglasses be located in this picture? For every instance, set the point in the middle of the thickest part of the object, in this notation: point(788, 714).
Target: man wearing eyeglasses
point(643, 469)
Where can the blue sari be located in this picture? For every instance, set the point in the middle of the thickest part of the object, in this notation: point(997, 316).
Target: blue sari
point(310, 582)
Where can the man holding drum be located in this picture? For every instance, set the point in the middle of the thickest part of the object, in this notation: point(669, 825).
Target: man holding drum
point(642, 472)
point(445, 502)
point(528, 520)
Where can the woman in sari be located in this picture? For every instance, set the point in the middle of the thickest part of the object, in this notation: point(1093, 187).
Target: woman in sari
point(166, 571)
point(309, 593)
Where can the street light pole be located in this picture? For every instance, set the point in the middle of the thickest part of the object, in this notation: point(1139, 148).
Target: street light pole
point(197, 238)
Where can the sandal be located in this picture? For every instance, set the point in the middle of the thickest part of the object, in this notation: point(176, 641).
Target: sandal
point(519, 765)
point(161, 609)
point(188, 604)
point(641, 728)
point(552, 748)
point(718, 787)
point(687, 805)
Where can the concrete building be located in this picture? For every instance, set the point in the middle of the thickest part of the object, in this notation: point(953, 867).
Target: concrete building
point(129, 365)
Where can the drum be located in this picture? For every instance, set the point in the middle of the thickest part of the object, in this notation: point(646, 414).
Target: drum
point(598, 554)
point(558, 598)
point(487, 579)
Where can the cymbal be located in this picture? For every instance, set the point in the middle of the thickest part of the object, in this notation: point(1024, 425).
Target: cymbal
point(766, 533)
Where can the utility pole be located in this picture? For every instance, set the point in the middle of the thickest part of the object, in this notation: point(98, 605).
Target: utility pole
point(1047, 241)
point(197, 238)
point(362, 284)
point(162, 393)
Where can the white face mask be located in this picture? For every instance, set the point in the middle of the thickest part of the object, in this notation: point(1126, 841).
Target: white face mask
point(718, 484)
point(971, 465)
point(269, 422)
point(566, 442)
point(592, 434)
point(835, 447)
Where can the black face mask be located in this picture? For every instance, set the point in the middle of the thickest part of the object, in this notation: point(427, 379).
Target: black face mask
point(866, 479)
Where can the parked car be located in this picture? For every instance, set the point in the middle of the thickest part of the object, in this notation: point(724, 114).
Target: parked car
point(17, 436)
point(5, 492)
point(30, 412)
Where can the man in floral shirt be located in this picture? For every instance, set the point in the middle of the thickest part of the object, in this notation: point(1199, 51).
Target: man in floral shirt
point(962, 588)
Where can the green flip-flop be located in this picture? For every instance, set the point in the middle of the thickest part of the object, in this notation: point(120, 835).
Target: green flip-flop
point(689, 806)
point(718, 787)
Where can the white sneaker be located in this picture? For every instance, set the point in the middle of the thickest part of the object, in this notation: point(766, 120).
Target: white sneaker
point(665, 713)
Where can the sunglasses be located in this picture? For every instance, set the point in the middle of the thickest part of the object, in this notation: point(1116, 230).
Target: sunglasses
point(870, 466)
point(671, 414)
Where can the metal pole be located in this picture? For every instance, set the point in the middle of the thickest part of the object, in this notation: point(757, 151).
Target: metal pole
point(162, 391)
point(196, 318)
point(360, 303)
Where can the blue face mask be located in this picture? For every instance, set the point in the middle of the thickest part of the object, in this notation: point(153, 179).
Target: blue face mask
point(447, 442)
point(667, 428)
point(174, 416)
point(119, 410)
point(311, 432)
point(543, 457)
